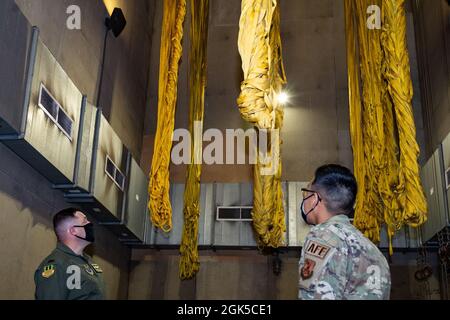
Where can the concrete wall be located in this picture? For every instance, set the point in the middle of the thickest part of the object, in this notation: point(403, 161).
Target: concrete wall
point(433, 50)
point(249, 275)
point(316, 124)
point(223, 275)
point(26, 198)
point(405, 286)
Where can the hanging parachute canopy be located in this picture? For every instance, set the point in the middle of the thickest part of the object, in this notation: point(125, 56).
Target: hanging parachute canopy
point(397, 74)
point(382, 126)
point(189, 261)
point(171, 50)
point(260, 49)
point(372, 125)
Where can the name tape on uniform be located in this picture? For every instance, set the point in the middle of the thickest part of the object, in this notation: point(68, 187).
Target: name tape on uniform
point(318, 250)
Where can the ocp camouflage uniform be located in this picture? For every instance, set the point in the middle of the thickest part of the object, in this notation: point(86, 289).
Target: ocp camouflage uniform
point(339, 262)
point(56, 277)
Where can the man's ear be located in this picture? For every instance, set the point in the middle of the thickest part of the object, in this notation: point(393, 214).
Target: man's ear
point(322, 204)
point(72, 231)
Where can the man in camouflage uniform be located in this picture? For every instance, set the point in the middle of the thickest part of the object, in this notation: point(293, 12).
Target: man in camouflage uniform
point(337, 260)
point(67, 273)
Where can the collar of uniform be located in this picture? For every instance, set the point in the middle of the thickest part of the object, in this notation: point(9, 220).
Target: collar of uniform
point(61, 246)
point(342, 218)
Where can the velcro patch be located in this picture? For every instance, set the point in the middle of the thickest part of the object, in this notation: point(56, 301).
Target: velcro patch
point(307, 269)
point(316, 256)
point(317, 249)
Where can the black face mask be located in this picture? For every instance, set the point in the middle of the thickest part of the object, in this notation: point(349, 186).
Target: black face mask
point(89, 230)
point(302, 208)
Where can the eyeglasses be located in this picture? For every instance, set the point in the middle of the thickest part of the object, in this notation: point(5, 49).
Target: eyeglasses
point(307, 193)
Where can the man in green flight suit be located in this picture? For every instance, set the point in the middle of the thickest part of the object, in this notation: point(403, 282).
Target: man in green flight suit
point(67, 273)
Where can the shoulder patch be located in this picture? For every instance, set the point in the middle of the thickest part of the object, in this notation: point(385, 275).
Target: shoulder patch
point(317, 249)
point(307, 269)
point(316, 256)
point(49, 270)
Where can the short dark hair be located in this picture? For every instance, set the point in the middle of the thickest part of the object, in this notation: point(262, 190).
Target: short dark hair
point(338, 186)
point(61, 217)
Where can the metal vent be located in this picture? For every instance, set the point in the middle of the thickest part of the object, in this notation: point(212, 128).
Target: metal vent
point(120, 179)
point(113, 172)
point(246, 213)
point(47, 103)
point(228, 213)
point(65, 123)
point(110, 168)
point(55, 112)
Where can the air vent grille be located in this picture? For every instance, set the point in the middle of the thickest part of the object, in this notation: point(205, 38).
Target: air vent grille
point(233, 213)
point(55, 112)
point(113, 172)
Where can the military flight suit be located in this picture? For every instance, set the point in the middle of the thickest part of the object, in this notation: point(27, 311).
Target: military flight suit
point(339, 262)
point(64, 275)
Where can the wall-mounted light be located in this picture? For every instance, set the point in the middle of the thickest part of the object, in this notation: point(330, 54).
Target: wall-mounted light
point(282, 98)
point(116, 22)
point(109, 5)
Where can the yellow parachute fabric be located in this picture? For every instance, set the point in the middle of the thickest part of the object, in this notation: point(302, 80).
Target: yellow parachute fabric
point(373, 125)
point(260, 49)
point(189, 261)
point(397, 73)
point(355, 110)
point(171, 50)
point(382, 124)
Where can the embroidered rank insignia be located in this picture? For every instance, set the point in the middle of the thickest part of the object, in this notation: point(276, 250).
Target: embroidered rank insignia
point(49, 270)
point(96, 268)
point(88, 269)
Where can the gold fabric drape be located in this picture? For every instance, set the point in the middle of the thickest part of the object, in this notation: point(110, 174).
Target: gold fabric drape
point(382, 125)
point(189, 261)
point(397, 73)
point(260, 49)
point(171, 50)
